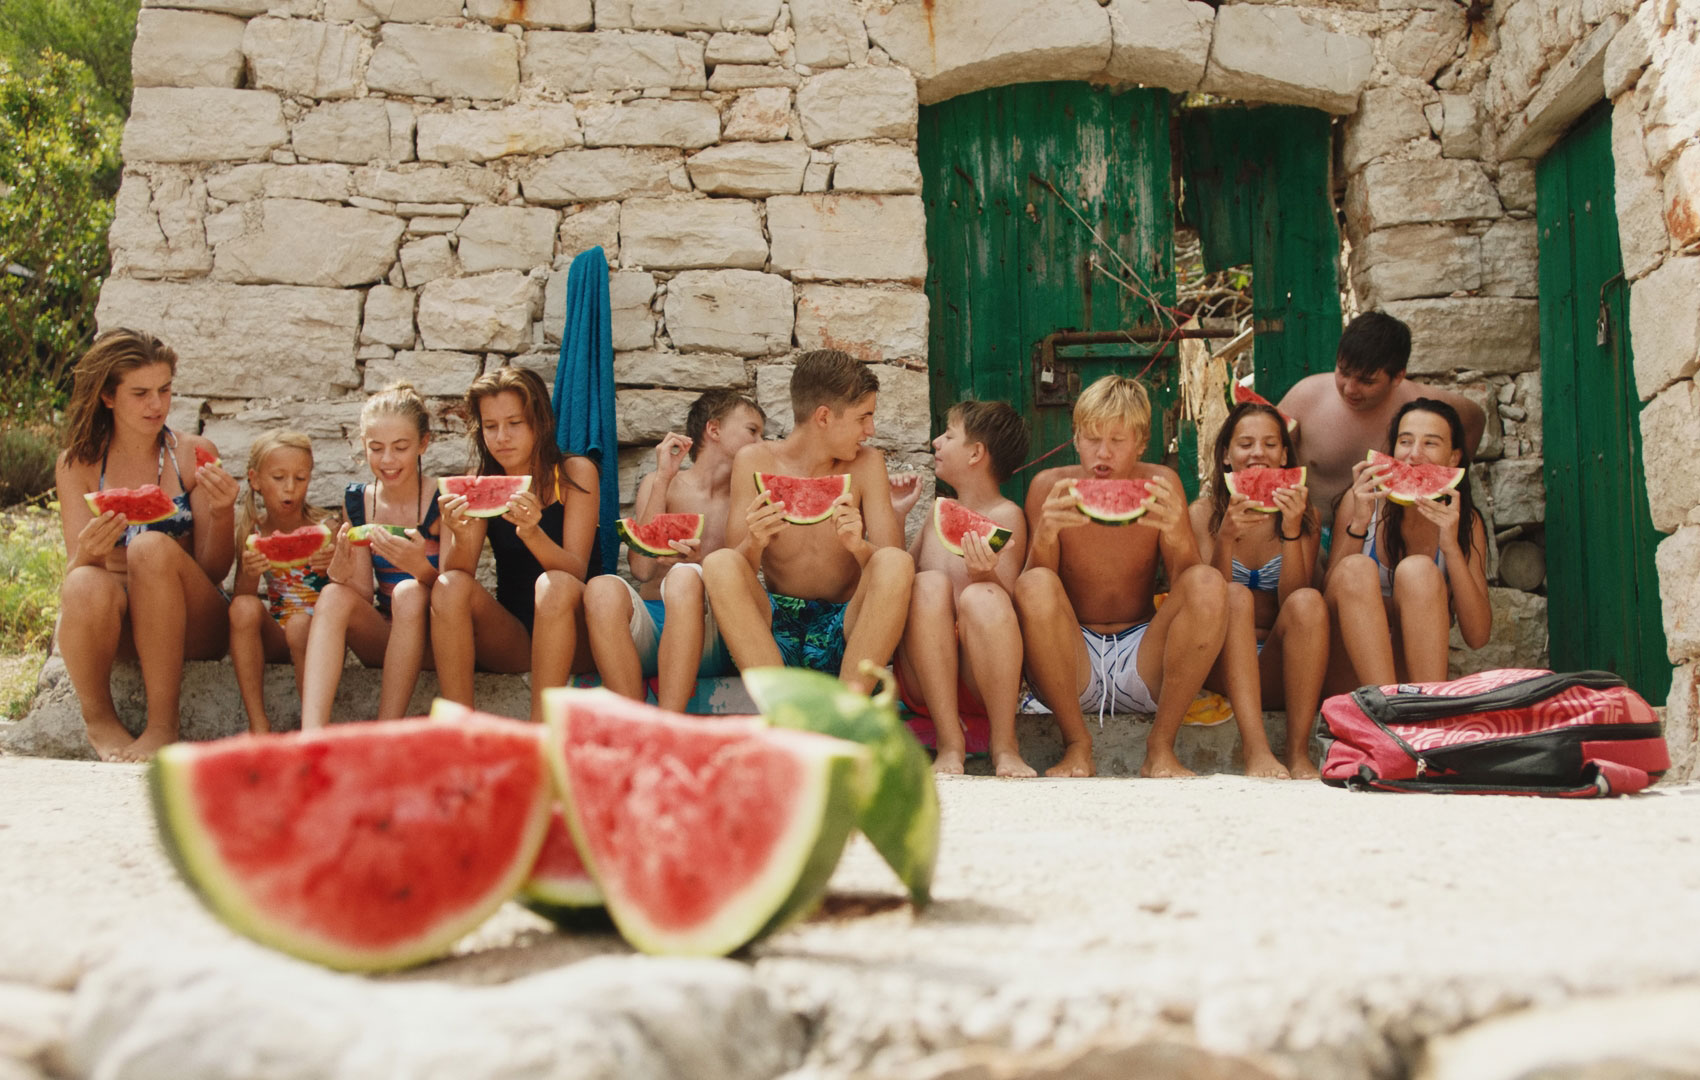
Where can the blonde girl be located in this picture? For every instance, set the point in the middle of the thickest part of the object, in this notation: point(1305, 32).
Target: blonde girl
point(378, 599)
point(280, 468)
point(147, 591)
point(544, 547)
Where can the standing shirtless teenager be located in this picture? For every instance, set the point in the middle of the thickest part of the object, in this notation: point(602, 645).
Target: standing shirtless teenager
point(837, 591)
point(1094, 638)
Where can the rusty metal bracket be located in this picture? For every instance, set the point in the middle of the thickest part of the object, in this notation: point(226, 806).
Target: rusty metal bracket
point(1056, 381)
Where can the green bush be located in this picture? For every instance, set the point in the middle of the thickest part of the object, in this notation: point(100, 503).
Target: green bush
point(32, 563)
point(97, 33)
point(27, 455)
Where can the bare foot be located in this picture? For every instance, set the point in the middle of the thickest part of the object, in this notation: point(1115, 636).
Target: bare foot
point(1267, 766)
point(1076, 761)
point(1010, 763)
point(108, 737)
point(948, 762)
point(1163, 766)
point(1300, 768)
point(146, 746)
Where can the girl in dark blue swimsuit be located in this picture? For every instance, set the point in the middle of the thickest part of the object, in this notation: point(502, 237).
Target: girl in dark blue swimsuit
point(147, 591)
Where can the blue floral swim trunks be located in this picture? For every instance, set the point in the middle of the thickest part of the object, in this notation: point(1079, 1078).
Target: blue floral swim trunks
point(809, 633)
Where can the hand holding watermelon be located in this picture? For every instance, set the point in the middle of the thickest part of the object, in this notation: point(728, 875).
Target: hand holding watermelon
point(1165, 504)
point(406, 552)
point(765, 519)
point(1240, 518)
point(525, 510)
point(218, 487)
point(1061, 511)
point(97, 538)
point(254, 567)
point(455, 517)
point(1443, 512)
point(847, 522)
point(979, 558)
point(1292, 503)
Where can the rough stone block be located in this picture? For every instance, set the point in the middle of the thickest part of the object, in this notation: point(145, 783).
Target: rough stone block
point(1273, 54)
point(1678, 561)
point(356, 132)
point(488, 313)
point(173, 124)
point(1682, 723)
point(296, 242)
point(160, 230)
point(694, 371)
point(1627, 56)
point(1159, 42)
point(1392, 193)
point(646, 416)
point(689, 234)
point(1670, 430)
point(1390, 118)
point(750, 169)
point(1517, 185)
point(1640, 202)
point(1518, 492)
point(629, 296)
point(902, 420)
point(186, 48)
point(1664, 323)
point(761, 115)
point(432, 61)
point(829, 33)
point(506, 238)
point(303, 57)
point(241, 340)
point(595, 175)
point(484, 135)
point(1496, 335)
point(1416, 260)
point(1509, 261)
point(429, 184)
point(1486, 397)
point(1428, 43)
point(321, 183)
point(729, 77)
point(1682, 197)
point(388, 319)
point(612, 61)
point(373, 12)
point(538, 14)
point(426, 259)
point(1461, 134)
point(877, 168)
point(870, 324)
point(1567, 90)
point(1671, 91)
point(1518, 638)
point(726, 48)
point(684, 15)
point(688, 124)
point(858, 103)
point(597, 225)
point(242, 8)
point(848, 237)
point(735, 311)
point(434, 374)
point(957, 46)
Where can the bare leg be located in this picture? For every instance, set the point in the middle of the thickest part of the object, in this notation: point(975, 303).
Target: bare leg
point(453, 643)
point(1056, 663)
point(1425, 621)
point(929, 659)
point(93, 605)
point(873, 620)
point(327, 644)
point(1360, 620)
point(681, 637)
point(410, 636)
point(991, 652)
point(296, 632)
point(1235, 674)
point(1175, 658)
point(1295, 658)
point(255, 638)
point(608, 611)
point(175, 613)
point(742, 609)
point(560, 643)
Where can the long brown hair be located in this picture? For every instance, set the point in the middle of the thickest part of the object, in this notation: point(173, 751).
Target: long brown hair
point(1467, 512)
point(547, 461)
point(114, 354)
point(248, 512)
point(1225, 439)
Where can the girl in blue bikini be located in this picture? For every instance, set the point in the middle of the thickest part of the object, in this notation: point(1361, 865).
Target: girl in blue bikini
point(147, 591)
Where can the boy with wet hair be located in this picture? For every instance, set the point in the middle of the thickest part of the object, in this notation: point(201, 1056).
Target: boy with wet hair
point(837, 590)
point(1094, 638)
point(666, 628)
point(960, 661)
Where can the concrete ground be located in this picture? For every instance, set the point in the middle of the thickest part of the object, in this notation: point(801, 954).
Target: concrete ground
point(1116, 926)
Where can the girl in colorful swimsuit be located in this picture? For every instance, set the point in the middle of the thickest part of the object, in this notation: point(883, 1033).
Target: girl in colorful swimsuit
point(1399, 575)
point(143, 591)
point(379, 598)
point(544, 546)
point(1269, 557)
point(280, 468)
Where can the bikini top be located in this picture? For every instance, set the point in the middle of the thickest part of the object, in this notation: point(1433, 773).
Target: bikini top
point(182, 520)
point(1265, 578)
point(387, 573)
point(1387, 571)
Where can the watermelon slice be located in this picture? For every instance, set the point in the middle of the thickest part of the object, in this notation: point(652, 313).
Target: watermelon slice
point(901, 816)
point(652, 537)
point(1259, 485)
point(140, 506)
point(1405, 482)
point(560, 889)
point(701, 836)
point(1245, 395)
point(952, 521)
point(363, 847)
point(291, 548)
point(807, 499)
point(361, 535)
point(203, 456)
point(1111, 502)
point(486, 496)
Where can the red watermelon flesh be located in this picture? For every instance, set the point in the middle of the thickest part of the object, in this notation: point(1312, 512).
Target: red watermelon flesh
point(1245, 395)
point(701, 835)
point(486, 496)
point(651, 538)
point(952, 521)
point(1111, 502)
point(363, 847)
point(1259, 485)
point(560, 888)
point(291, 548)
point(140, 505)
point(203, 456)
point(807, 499)
point(1405, 482)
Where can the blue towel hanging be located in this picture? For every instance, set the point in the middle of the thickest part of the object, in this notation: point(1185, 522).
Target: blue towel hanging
point(584, 393)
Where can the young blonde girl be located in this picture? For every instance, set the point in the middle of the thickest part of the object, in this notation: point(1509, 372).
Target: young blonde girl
point(280, 467)
point(148, 591)
point(378, 599)
point(544, 547)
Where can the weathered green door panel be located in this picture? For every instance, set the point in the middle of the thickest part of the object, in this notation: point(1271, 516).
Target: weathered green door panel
point(1603, 607)
point(1039, 198)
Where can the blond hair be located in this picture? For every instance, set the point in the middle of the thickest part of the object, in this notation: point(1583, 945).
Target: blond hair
point(398, 399)
point(114, 354)
point(1113, 399)
point(248, 512)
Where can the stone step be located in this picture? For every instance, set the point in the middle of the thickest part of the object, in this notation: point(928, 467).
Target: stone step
point(211, 708)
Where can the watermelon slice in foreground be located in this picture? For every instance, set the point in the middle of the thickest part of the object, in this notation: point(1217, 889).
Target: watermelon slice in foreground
point(1405, 482)
point(1245, 395)
point(651, 538)
point(140, 505)
point(1259, 485)
point(1111, 502)
point(952, 521)
point(486, 496)
point(364, 847)
point(291, 548)
point(703, 835)
point(807, 499)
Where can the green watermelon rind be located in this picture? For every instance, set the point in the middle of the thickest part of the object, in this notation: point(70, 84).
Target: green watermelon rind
point(1410, 500)
point(996, 539)
point(1266, 508)
point(361, 535)
point(795, 877)
point(1102, 517)
point(444, 484)
point(625, 527)
point(191, 850)
point(255, 540)
point(760, 486)
point(94, 498)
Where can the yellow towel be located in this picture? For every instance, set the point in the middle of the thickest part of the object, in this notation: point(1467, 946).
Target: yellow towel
point(1207, 709)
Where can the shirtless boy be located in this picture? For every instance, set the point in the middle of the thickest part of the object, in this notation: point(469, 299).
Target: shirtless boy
point(961, 651)
point(665, 628)
point(1094, 638)
point(837, 590)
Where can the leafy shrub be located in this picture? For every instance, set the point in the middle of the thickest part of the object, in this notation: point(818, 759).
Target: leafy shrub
point(32, 563)
point(98, 33)
point(27, 454)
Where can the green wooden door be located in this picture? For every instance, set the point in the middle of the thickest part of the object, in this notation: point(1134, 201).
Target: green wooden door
point(1048, 209)
point(1603, 607)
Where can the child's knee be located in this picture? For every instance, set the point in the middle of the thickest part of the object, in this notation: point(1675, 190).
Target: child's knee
point(1204, 592)
point(607, 598)
point(932, 587)
point(410, 599)
point(246, 613)
point(337, 601)
point(557, 593)
point(982, 606)
point(452, 594)
point(1417, 576)
point(152, 551)
point(1355, 578)
point(892, 566)
point(295, 632)
point(1038, 591)
point(90, 592)
point(1306, 610)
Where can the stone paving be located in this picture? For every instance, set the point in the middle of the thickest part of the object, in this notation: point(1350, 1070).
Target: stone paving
point(1217, 927)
